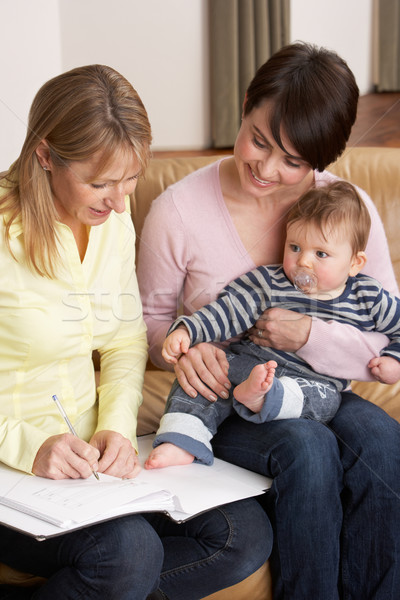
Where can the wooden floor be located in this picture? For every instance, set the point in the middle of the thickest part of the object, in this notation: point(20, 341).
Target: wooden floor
point(378, 121)
point(377, 124)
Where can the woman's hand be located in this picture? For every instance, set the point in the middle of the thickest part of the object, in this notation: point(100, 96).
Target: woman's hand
point(118, 456)
point(204, 369)
point(281, 329)
point(65, 456)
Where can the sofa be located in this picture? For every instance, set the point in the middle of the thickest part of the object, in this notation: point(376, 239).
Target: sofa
point(374, 169)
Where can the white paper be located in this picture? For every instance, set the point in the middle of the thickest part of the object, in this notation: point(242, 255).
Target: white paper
point(68, 501)
point(44, 507)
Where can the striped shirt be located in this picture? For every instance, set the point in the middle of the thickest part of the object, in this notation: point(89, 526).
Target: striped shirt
point(363, 304)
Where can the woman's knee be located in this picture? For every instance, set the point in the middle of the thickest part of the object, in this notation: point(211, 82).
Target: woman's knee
point(308, 450)
point(250, 534)
point(368, 437)
point(302, 448)
point(240, 530)
point(123, 551)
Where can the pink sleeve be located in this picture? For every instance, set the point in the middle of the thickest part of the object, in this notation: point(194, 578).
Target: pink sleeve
point(161, 271)
point(342, 350)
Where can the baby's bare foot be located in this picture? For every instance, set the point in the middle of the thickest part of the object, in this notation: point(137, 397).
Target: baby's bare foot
point(167, 455)
point(252, 391)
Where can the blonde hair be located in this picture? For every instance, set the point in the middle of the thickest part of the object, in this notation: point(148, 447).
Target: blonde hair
point(88, 110)
point(333, 206)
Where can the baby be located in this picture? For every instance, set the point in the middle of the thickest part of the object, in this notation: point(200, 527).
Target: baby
point(327, 232)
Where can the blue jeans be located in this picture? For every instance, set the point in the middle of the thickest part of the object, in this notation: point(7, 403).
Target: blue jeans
point(127, 558)
point(213, 550)
point(334, 503)
point(190, 422)
point(118, 559)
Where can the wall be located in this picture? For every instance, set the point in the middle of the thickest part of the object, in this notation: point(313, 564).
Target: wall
point(161, 48)
point(342, 25)
point(159, 45)
point(30, 54)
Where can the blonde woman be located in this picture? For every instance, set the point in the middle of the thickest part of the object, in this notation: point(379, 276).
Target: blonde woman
point(68, 287)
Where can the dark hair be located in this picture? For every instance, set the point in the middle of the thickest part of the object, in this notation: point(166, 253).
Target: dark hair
point(333, 207)
point(314, 98)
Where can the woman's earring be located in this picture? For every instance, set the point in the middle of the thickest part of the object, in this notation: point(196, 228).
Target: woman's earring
point(45, 168)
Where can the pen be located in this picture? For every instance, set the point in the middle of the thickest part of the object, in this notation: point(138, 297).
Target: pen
point(68, 422)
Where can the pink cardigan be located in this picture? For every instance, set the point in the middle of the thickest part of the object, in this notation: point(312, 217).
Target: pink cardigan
point(190, 249)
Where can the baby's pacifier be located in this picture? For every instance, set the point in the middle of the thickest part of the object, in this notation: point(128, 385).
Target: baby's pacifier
point(305, 281)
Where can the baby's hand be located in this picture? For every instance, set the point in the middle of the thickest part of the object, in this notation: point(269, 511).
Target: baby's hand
point(176, 343)
point(385, 369)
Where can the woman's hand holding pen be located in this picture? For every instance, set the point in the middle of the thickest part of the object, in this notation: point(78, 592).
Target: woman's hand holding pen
point(65, 456)
point(118, 456)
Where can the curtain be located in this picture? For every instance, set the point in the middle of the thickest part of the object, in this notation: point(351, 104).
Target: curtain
point(243, 35)
point(388, 45)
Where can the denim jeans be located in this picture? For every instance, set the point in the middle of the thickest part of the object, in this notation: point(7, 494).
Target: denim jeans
point(334, 502)
point(119, 559)
point(213, 550)
point(123, 559)
point(190, 422)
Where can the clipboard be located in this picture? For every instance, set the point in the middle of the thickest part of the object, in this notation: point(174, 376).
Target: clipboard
point(44, 508)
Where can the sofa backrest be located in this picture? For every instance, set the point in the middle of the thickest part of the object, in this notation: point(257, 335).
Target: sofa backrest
point(376, 170)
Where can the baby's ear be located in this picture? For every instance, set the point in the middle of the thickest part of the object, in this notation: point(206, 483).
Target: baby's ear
point(357, 263)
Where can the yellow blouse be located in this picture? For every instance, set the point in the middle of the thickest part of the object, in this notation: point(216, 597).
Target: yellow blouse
point(48, 330)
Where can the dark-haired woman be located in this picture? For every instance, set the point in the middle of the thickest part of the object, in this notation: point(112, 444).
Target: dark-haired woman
point(334, 500)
